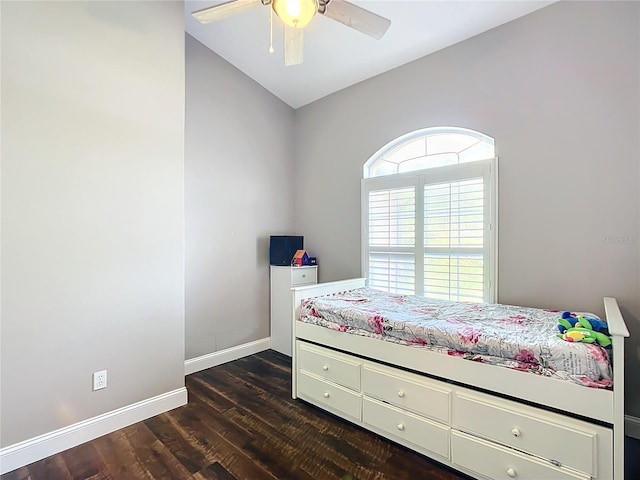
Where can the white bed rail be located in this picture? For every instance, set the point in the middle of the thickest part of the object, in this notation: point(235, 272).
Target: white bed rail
point(619, 332)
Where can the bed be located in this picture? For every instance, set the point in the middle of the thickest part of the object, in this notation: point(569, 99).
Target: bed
point(476, 416)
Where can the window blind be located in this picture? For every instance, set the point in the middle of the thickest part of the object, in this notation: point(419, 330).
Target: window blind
point(454, 240)
point(430, 233)
point(391, 239)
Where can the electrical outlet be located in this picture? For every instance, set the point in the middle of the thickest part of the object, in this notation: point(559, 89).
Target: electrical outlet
point(100, 380)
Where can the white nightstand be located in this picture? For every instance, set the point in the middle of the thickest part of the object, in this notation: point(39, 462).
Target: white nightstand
point(283, 279)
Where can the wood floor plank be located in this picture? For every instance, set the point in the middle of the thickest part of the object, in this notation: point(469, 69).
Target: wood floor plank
point(156, 457)
point(118, 455)
point(223, 424)
point(198, 385)
point(84, 463)
point(214, 471)
point(215, 447)
point(271, 369)
point(191, 458)
point(50, 468)
point(21, 473)
point(281, 456)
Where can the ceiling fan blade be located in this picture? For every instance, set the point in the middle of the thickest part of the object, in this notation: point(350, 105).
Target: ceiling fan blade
point(355, 17)
point(224, 10)
point(293, 45)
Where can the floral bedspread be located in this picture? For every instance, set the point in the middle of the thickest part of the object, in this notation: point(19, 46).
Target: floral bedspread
point(520, 338)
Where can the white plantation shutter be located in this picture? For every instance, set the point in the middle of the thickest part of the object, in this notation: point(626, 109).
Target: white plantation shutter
point(432, 232)
point(454, 240)
point(454, 277)
point(391, 239)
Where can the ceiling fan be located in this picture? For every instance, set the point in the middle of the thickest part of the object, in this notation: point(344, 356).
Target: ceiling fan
point(296, 14)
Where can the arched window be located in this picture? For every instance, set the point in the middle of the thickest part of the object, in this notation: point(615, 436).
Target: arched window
point(428, 212)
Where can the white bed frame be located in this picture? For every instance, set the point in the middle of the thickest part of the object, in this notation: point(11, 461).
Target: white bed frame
point(600, 406)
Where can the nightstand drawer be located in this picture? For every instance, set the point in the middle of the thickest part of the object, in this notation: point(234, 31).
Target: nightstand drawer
point(528, 429)
point(501, 463)
point(407, 427)
point(408, 391)
point(330, 396)
point(303, 276)
point(329, 365)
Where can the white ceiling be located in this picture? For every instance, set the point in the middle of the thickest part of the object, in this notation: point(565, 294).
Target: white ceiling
point(336, 56)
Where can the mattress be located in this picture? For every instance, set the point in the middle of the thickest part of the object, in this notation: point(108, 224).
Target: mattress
point(520, 338)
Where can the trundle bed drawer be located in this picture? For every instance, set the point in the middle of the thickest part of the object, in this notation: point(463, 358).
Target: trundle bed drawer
point(330, 396)
point(330, 365)
point(408, 391)
point(528, 429)
point(501, 463)
point(401, 425)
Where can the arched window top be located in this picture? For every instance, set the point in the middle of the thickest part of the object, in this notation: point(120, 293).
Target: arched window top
point(429, 148)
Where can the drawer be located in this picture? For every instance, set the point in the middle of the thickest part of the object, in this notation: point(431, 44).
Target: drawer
point(329, 365)
point(330, 396)
point(303, 276)
point(407, 391)
point(527, 429)
point(501, 463)
point(406, 427)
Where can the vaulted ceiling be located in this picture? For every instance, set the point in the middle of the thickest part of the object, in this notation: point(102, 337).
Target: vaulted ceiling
point(336, 56)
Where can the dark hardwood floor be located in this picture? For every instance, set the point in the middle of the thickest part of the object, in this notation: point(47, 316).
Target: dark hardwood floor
point(240, 424)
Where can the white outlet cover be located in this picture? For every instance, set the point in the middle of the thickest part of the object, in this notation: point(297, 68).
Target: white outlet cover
point(100, 380)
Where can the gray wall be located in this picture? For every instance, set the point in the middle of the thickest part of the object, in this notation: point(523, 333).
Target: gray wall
point(92, 209)
point(238, 190)
point(558, 90)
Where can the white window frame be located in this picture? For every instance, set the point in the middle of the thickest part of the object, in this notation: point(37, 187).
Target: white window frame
point(487, 169)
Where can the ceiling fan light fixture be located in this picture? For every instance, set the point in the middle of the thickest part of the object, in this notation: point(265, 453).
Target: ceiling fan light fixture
point(296, 13)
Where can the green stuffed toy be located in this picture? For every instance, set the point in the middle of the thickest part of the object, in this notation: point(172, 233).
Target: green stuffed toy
point(584, 333)
point(574, 320)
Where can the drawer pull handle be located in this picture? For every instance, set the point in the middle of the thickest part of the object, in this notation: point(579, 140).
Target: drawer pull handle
point(401, 394)
point(401, 426)
point(516, 432)
point(511, 472)
point(325, 367)
point(304, 276)
point(326, 395)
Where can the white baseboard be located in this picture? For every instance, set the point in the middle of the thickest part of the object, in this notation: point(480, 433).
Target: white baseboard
point(42, 446)
point(227, 355)
point(632, 426)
